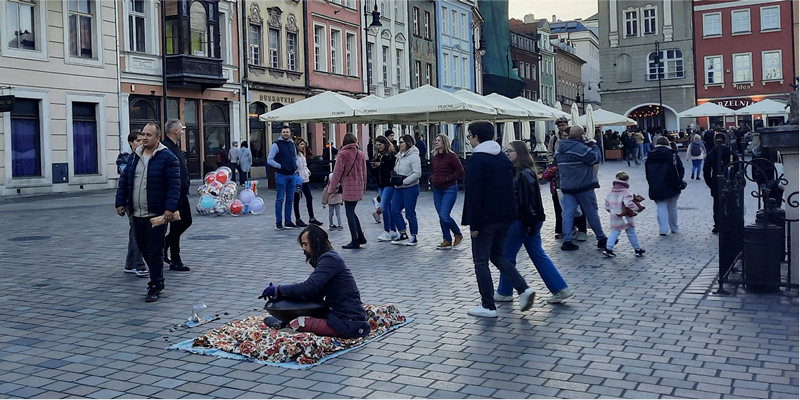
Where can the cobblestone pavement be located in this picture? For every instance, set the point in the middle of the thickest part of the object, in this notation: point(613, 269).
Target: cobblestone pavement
point(75, 326)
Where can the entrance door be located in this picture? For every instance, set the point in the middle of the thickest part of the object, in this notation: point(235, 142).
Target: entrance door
point(215, 132)
point(192, 140)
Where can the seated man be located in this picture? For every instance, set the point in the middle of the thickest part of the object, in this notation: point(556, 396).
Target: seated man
point(333, 280)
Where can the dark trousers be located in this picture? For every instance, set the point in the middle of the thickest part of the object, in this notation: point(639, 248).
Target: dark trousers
point(489, 246)
point(309, 205)
point(151, 244)
point(580, 222)
point(717, 210)
point(176, 229)
point(234, 168)
point(352, 221)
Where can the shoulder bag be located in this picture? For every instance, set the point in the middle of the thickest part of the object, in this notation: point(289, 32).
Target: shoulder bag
point(683, 183)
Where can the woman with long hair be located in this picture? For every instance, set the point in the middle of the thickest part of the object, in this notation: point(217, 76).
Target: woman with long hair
point(526, 230)
point(382, 166)
point(305, 191)
point(405, 178)
point(446, 169)
point(351, 172)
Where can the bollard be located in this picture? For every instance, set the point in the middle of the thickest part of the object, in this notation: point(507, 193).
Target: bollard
point(762, 257)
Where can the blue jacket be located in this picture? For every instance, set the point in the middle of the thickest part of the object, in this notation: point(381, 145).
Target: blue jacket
point(575, 160)
point(489, 188)
point(332, 279)
point(163, 182)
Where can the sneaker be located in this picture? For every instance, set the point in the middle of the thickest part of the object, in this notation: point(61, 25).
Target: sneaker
point(129, 271)
point(674, 232)
point(445, 245)
point(692, 176)
point(560, 296)
point(178, 266)
point(457, 240)
point(333, 227)
point(602, 242)
point(290, 225)
point(400, 239)
point(376, 203)
point(362, 239)
point(412, 241)
point(662, 234)
point(351, 246)
point(314, 221)
point(339, 227)
point(301, 224)
point(377, 217)
point(609, 253)
point(581, 237)
point(698, 177)
point(559, 236)
point(479, 311)
point(639, 252)
point(501, 298)
point(394, 235)
point(142, 272)
point(569, 246)
point(279, 226)
point(526, 299)
point(153, 292)
point(385, 237)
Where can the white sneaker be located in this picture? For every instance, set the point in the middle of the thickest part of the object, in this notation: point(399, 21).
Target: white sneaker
point(385, 237)
point(581, 236)
point(526, 299)
point(395, 235)
point(479, 311)
point(560, 296)
point(502, 299)
point(412, 241)
point(376, 203)
point(377, 217)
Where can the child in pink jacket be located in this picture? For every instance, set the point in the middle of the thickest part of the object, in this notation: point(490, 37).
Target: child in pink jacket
point(334, 200)
point(623, 206)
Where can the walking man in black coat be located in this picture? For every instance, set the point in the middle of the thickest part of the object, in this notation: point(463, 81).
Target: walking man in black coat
point(172, 243)
point(489, 209)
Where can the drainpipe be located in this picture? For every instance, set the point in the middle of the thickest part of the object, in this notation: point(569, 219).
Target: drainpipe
point(244, 63)
point(119, 79)
point(306, 72)
point(163, 30)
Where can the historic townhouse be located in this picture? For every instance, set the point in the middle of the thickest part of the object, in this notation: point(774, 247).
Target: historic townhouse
point(422, 32)
point(568, 76)
point(453, 19)
point(540, 30)
point(201, 78)
point(386, 49)
point(523, 50)
point(58, 60)
point(587, 47)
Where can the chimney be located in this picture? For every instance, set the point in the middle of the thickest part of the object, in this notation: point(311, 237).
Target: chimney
point(529, 19)
point(554, 18)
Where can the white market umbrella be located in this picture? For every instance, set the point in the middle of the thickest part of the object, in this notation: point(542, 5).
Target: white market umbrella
point(324, 107)
point(531, 113)
point(559, 107)
point(508, 134)
point(504, 111)
point(573, 110)
point(538, 108)
point(424, 104)
point(708, 109)
point(602, 117)
point(525, 134)
point(540, 137)
point(589, 122)
point(766, 106)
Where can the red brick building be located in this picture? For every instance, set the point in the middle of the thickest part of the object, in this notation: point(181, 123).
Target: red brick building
point(744, 52)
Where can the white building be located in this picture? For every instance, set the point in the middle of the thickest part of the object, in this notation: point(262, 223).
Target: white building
point(587, 46)
point(386, 49)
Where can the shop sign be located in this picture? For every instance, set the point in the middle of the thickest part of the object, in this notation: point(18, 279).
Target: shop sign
point(270, 98)
point(734, 104)
point(6, 103)
point(745, 86)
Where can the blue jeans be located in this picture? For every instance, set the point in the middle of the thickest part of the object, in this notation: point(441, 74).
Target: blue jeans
point(386, 208)
point(640, 148)
point(405, 198)
point(646, 147)
point(488, 246)
point(612, 238)
point(285, 185)
point(533, 245)
point(696, 165)
point(444, 200)
point(588, 203)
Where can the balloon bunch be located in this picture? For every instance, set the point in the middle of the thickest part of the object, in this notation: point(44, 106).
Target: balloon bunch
point(218, 196)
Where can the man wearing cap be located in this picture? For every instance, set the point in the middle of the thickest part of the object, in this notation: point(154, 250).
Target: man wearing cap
point(172, 243)
point(233, 157)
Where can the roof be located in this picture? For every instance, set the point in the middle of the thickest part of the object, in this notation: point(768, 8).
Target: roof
point(519, 26)
point(567, 26)
point(592, 18)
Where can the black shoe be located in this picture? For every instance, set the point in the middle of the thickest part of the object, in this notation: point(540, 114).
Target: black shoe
point(569, 246)
point(279, 227)
point(662, 234)
point(715, 230)
point(698, 177)
point(639, 253)
point(351, 246)
point(314, 221)
point(290, 225)
point(609, 253)
point(178, 266)
point(301, 224)
point(362, 239)
point(692, 176)
point(601, 243)
point(153, 292)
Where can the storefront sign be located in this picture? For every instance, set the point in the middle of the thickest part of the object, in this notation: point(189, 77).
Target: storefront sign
point(734, 104)
point(746, 86)
point(271, 98)
point(6, 103)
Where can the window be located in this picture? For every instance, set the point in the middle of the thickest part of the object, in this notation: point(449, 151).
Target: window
point(770, 18)
point(426, 22)
point(416, 21)
point(712, 24)
point(456, 70)
point(742, 68)
point(351, 43)
point(80, 29)
point(350, 3)
point(649, 21)
point(454, 22)
point(418, 73)
point(714, 70)
point(320, 63)
point(84, 138)
point(740, 21)
point(631, 23)
point(274, 48)
point(198, 28)
point(444, 21)
point(21, 24)
point(771, 60)
point(370, 46)
point(428, 74)
point(383, 9)
point(172, 36)
point(291, 51)
point(385, 67)
point(445, 68)
point(464, 27)
point(667, 64)
point(136, 30)
point(336, 53)
point(255, 44)
point(26, 150)
point(466, 74)
point(399, 67)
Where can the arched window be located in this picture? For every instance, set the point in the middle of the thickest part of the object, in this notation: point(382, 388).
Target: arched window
point(144, 110)
point(198, 28)
point(665, 64)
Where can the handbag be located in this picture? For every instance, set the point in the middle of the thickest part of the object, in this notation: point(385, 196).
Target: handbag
point(340, 188)
point(683, 183)
point(396, 179)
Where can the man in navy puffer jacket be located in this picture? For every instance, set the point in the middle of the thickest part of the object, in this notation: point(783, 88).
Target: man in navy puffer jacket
point(150, 186)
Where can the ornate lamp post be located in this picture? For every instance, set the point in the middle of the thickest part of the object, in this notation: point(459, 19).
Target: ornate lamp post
point(376, 23)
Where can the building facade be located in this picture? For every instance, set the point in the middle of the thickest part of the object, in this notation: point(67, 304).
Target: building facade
point(631, 68)
point(499, 75)
point(453, 20)
point(523, 50)
point(387, 49)
point(540, 30)
point(569, 85)
point(422, 43)
point(744, 53)
point(587, 48)
point(202, 74)
point(62, 133)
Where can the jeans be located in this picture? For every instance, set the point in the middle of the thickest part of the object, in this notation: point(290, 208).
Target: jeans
point(133, 260)
point(640, 150)
point(309, 205)
point(612, 238)
point(176, 229)
point(405, 198)
point(234, 167)
point(386, 208)
point(646, 148)
point(517, 236)
point(352, 221)
point(285, 185)
point(150, 240)
point(696, 166)
point(667, 214)
point(489, 246)
point(335, 209)
point(578, 222)
point(444, 200)
point(588, 203)
point(243, 176)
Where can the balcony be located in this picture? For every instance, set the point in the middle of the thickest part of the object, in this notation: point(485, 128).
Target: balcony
point(193, 71)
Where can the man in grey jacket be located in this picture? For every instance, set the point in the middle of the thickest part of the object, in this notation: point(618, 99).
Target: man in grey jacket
point(575, 159)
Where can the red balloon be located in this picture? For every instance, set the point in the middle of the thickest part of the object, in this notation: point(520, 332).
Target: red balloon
point(237, 207)
point(211, 178)
point(222, 177)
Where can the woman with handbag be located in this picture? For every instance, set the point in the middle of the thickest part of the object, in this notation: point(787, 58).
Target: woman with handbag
point(405, 178)
point(664, 171)
point(382, 166)
point(446, 169)
point(351, 173)
point(305, 189)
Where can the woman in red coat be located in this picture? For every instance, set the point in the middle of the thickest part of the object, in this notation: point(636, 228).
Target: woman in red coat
point(351, 172)
point(446, 169)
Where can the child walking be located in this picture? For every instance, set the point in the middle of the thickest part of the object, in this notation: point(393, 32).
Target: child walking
point(623, 206)
point(335, 203)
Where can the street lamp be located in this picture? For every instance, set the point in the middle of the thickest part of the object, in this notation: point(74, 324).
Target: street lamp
point(376, 23)
point(659, 70)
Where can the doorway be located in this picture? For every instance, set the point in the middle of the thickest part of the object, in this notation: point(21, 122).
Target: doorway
point(216, 130)
point(192, 139)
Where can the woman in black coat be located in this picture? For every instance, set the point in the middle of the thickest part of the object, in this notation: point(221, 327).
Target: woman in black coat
point(664, 171)
point(630, 147)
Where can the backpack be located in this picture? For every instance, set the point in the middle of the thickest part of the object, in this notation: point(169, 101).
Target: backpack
point(695, 149)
